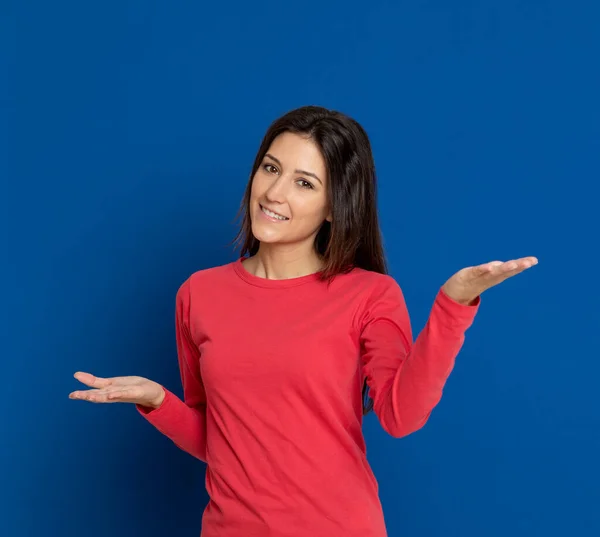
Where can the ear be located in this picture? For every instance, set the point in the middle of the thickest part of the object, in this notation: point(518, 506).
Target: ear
point(329, 217)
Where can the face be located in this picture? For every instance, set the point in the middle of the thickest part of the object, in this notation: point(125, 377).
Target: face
point(288, 201)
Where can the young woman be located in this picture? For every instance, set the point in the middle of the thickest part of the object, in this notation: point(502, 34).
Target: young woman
point(284, 350)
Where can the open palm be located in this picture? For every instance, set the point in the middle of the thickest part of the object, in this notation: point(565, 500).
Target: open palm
point(468, 283)
point(130, 389)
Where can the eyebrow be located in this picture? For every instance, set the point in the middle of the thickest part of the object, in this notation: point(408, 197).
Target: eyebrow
point(297, 171)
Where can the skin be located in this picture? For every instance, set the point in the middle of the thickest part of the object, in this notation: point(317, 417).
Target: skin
point(286, 250)
point(467, 284)
point(286, 247)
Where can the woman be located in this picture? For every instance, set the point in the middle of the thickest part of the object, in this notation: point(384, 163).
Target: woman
point(283, 351)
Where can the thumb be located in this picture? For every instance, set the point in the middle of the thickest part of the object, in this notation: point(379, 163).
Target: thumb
point(90, 380)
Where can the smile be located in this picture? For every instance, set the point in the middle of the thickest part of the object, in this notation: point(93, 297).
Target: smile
point(273, 214)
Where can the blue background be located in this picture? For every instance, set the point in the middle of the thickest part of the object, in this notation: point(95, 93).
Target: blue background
point(128, 131)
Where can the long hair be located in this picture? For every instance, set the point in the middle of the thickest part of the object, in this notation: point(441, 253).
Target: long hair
point(353, 238)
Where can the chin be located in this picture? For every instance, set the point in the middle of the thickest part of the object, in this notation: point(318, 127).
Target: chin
point(265, 236)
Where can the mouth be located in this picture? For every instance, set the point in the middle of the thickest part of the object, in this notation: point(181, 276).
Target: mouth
point(273, 215)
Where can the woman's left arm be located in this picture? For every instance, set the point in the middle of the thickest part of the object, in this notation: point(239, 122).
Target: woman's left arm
point(406, 379)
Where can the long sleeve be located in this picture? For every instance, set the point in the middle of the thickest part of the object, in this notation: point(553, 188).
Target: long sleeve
point(184, 422)
point(406, 380)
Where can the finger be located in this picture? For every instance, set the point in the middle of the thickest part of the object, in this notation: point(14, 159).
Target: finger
point(84, 395)
point(90, 380)
point(529, 261)
point(123, 395)
point(94, 397)
point(102, 396)
point(518, 265)
point(495, 268)
point(500, 273)
point(486, 268)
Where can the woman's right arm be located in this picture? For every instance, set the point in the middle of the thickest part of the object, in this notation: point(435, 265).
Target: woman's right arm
point(184, 422)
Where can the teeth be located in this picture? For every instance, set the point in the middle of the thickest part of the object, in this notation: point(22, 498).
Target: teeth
point(272, 214)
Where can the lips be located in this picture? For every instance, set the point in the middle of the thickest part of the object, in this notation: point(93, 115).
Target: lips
point(273, 214)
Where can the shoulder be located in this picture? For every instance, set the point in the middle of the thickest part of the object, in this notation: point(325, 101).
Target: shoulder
point(373, 285)
point(381, 297)
point(199, 281)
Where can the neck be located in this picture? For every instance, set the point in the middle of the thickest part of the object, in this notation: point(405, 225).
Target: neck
point(278, 263)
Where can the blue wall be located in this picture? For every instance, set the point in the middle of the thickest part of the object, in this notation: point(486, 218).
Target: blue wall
point(129, 130)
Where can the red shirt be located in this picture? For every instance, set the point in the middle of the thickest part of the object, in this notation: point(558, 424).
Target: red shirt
point(272, 374)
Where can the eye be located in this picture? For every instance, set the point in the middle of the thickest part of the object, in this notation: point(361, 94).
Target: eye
point(267, 166)
point(305, 184)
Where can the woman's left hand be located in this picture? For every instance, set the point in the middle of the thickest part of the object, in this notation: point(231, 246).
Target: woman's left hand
point(467, 284)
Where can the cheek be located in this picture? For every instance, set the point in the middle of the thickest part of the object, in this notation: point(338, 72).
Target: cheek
point(257, 189)
point(253, 187)
point(311, 208)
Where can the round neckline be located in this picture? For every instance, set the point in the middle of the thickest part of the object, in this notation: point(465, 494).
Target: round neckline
point(272, 284)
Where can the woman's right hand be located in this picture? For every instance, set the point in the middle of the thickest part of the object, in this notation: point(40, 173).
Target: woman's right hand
point(137, 390)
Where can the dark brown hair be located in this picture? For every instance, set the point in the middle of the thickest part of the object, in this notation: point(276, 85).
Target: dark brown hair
point(353, 238)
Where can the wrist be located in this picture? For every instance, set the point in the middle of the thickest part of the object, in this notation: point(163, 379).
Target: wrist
point(466, 301)
point(159, 400)
point(459, 300)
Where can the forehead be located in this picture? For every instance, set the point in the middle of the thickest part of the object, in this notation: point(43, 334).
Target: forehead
point(298, 151)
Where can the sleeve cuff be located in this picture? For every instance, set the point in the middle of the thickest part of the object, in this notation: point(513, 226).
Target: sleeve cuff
point(152, 414)
point(458, 313)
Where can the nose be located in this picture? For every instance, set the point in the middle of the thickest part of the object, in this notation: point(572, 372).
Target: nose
point(277, 191)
